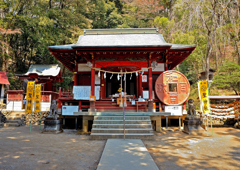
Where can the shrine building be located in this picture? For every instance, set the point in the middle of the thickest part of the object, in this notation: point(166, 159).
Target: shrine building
point(47, 75)
point(103, 58)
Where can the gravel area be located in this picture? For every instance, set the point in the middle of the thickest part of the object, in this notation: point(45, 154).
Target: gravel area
point(177, 151)
point(22, 150)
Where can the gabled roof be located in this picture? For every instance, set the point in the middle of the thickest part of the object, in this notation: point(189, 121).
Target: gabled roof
point(116, 42)
point(4, 78)
point(44, 69)
point(147, 37)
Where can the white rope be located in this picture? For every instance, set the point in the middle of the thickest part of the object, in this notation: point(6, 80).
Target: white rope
point(121, 72)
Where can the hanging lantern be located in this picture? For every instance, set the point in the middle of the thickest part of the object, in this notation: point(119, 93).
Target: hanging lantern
point(124, 76)
point(136, 73)
point(131, 77)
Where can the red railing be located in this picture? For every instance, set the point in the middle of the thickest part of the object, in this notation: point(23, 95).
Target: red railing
point(65, 95)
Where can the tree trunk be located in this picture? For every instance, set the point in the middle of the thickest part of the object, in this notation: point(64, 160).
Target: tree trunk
point(237, 50)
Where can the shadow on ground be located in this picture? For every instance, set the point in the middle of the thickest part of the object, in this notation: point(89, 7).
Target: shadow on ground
point(177, 150)
point(21, 149)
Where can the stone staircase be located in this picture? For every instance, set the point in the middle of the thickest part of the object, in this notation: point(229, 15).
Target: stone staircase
point(14, 119)
point(108, 127)
point(109, 106)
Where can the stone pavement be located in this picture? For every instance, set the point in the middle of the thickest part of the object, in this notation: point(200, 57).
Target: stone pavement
point(120, 154)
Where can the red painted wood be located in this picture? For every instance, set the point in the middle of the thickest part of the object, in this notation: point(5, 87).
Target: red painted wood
point(93, 80)
point(80, 104)
point(75, 75)
point(43, 87)
point(137, 86)
point(150, 80)
point(140, 84)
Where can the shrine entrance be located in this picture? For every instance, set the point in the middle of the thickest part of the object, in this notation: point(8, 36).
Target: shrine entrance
point(113, 84)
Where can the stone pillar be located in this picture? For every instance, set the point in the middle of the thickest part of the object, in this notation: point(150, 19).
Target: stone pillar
point(159, 124)
point(85, 124)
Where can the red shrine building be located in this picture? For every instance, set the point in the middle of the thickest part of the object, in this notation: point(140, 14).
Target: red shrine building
point(103, 58)
point(47, 75)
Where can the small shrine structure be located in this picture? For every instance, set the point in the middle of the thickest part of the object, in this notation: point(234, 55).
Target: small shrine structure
point(41, 74)
point(3, 82)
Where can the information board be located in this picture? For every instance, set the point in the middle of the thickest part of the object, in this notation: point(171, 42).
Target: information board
point(69, 110)
point(84, 92)
point(175, 110)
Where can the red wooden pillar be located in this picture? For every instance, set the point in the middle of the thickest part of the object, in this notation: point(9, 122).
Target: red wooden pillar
point(166, 65)
point(150, 102)
point(140, 84)
point(75, 74)
point(137, 87)
point(150, 80)
point(80, 105)
point(93, 80)
point(43, 88)
point(59, 101)
point(92, 103)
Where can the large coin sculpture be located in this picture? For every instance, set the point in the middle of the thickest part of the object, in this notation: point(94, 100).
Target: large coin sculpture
point(172, 88)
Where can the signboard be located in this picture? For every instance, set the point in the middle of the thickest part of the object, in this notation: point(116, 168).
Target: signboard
point(175, 110)
point(145, 94)
point(203, 95)
point(37, 98)
point(84, 92)
point(69, 110)
point(30, 87)
point(144, 78)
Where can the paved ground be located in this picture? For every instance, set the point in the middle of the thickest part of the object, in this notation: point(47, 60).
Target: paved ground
point(176, 150)
point(170, 150)
point(126, 154)
point(21, 150)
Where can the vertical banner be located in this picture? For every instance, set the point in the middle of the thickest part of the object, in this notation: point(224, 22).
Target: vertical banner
point(37, 98)
point(30, 87)
point(204, 99)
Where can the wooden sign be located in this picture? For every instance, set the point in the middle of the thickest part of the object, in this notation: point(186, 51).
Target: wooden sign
point(172, 88)
point(30, 87)
point(37, 98)
point(144, 78)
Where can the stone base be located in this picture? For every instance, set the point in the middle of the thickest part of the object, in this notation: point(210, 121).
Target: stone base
point(52, 125)
point(193, 125)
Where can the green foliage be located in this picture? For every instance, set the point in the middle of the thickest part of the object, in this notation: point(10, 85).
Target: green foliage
point(228, 77)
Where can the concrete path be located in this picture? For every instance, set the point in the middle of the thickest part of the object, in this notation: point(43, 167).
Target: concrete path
point(120, 154)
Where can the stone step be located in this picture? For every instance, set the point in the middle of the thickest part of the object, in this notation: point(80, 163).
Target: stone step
point(121, 126)
point(102, 136)
point(121, 122)
point(13, 121)
point(121, 118)
point(11, 124)
point(117, 130)
point(14, 118)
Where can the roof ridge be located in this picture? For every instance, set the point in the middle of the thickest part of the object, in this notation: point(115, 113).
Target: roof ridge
point(121, 31)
